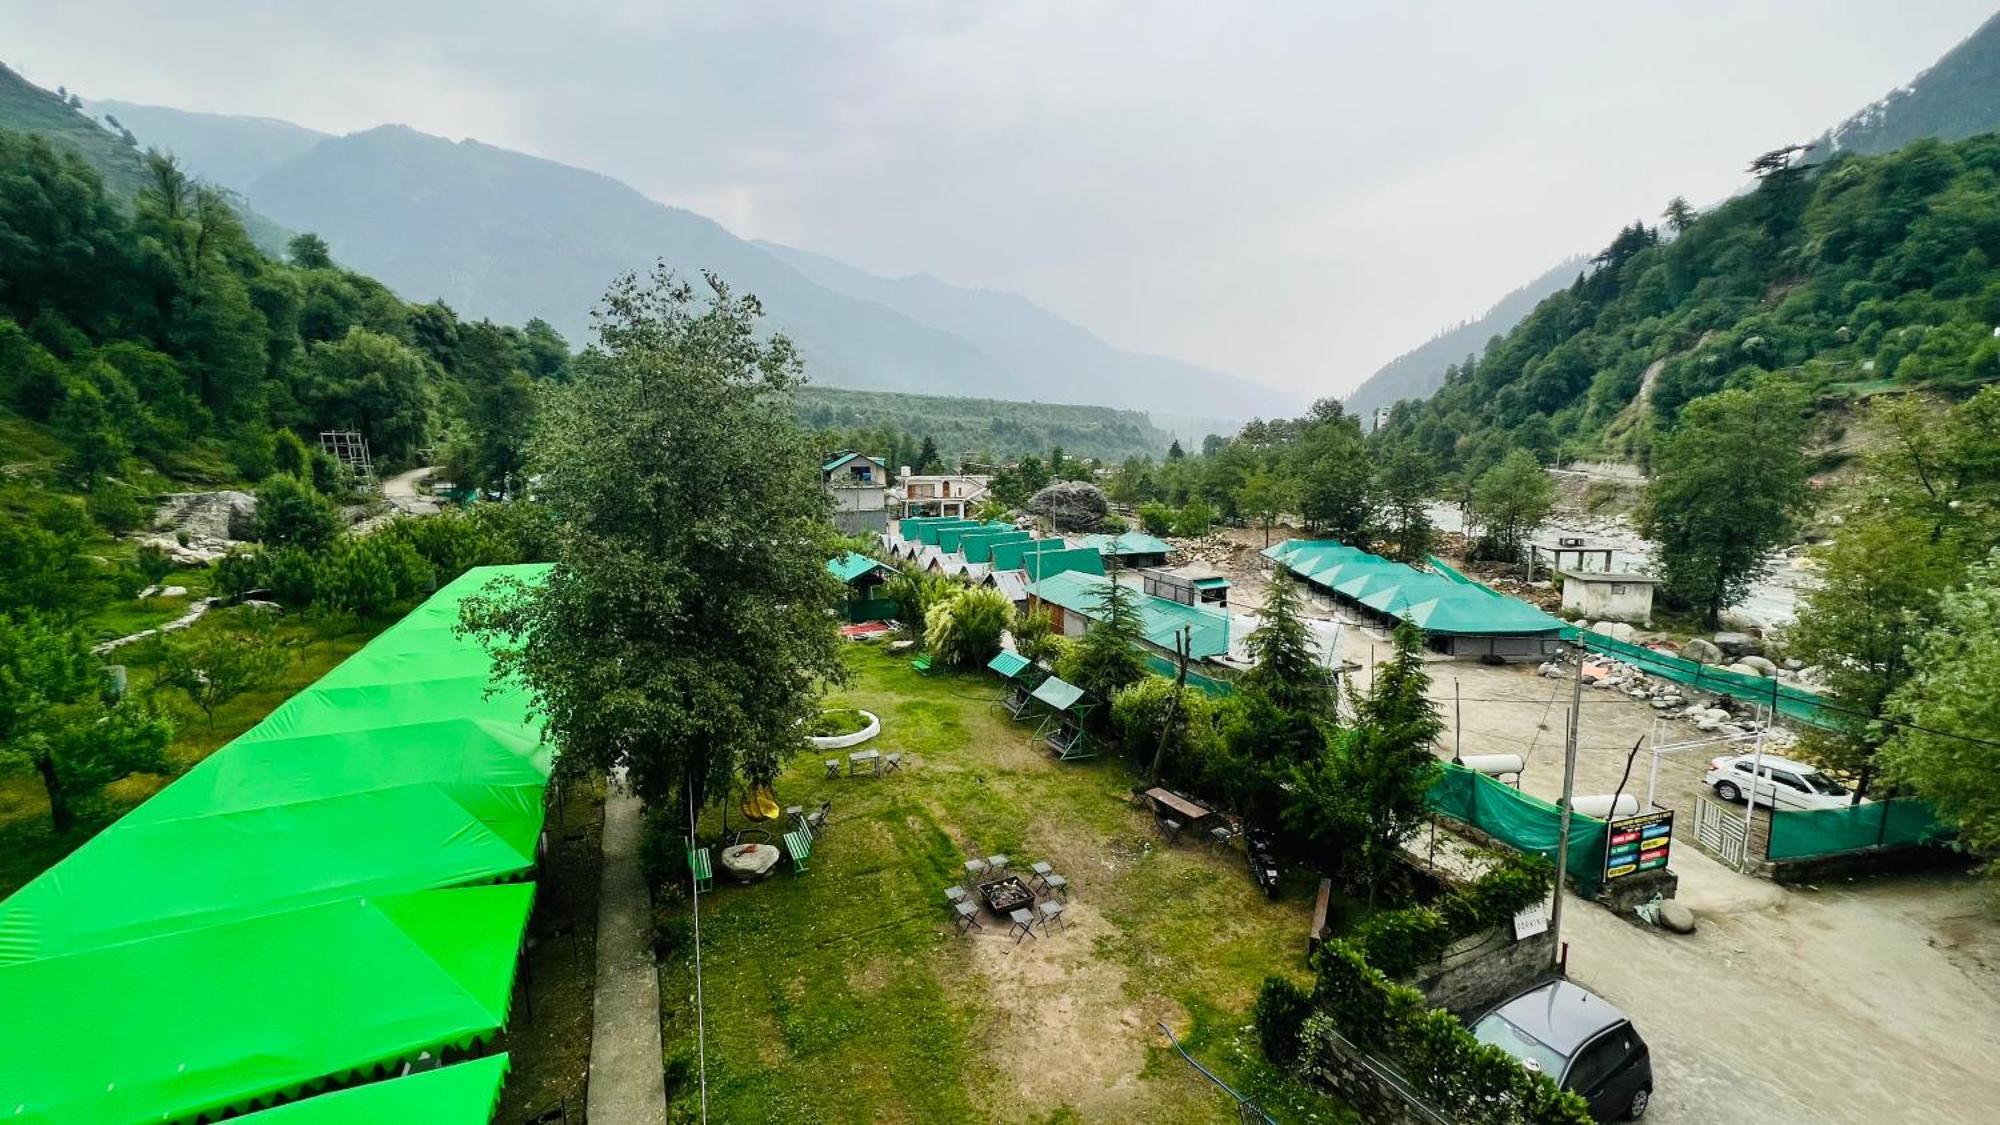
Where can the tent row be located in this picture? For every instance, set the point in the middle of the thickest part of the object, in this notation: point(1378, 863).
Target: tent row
point(338, 892)
point(1458, 617)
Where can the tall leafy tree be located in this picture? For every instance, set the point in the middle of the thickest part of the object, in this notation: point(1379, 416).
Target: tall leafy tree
point(374, 383)
point(686, 630)
point(1107, 656)
point(1406, 480)
point(1265, 496)
point(1510, 502)
point(213, 665)
point(1337, 494)
point(1729, 485)
point(1952, 701)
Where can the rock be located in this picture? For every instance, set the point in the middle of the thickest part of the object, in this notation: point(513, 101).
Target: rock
point(1793, 664)
point(1742, 669)
point(1715, 715)
point(207, 518)
point(1622, 631)
point(174, 592)
point(747, 863)
point(1764, 667)
point(1701, 652)
point(1072, 505)
point(1676, 917)
point(1737, 644)
point(1552, 670)
point(1661, 705)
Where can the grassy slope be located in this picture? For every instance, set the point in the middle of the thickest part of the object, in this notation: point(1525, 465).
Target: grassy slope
point(842, 995)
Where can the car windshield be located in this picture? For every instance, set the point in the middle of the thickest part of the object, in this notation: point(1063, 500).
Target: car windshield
point(1821, 783)
point(1495, 1031)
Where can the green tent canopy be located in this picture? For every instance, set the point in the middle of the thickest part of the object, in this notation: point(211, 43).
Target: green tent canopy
point(851, 566)
point(281, 771)
point(463, 1094)
point(150, 878)
point(231, 1017)
point(326, 710)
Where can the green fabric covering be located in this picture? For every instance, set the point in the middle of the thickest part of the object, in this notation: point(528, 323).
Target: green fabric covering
point(1127, 543)
point(1518, 820)
point(1059, 694)
point(929, 533)
point(1079, 560)
point(1801, 833)
point(978, 546)
point(1443, 601)
point(1793, 701)
point(1009, 556)
point(851, 566)
point(462, 1094)
point(230, 1016)
point(1008, 664)
point(1160, 619)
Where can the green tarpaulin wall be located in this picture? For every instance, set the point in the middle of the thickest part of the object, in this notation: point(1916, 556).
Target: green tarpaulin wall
point(1518, 820)
point(1801, 833)
point(300, 908)
point(454, 1095)
point(1792, 701)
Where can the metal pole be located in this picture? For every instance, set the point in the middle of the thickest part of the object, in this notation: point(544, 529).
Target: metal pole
point(1750, 799)
point(1183, 644)
point(1653, 780)
point(1457, 721)
point(1569, 794)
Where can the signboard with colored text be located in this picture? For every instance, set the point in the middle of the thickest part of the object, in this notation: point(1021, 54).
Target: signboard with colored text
point(1638, 844)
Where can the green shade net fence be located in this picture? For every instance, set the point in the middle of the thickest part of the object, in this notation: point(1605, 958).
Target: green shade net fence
point(277, 918)
point(1805, 833)
point(1529, 824)
point(1793, 702)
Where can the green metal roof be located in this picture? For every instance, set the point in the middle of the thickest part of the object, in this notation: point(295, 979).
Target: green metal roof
point(1059, 694)
point(463, 1094)
point(852, 565)
point(844, 458)
point(1127, 543)
point(1211, 583)
point(1008, 664)
point(928, 533)
point(1161, 619)
point(1441, 601)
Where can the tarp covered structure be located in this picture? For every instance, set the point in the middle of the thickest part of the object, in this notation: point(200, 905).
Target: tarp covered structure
point(1059, 694)
point(234, 1015)
point(295, 910)
point(1008, 664)
point(465, 1094)
point(1009, 555)
point(1442, 602)
point(1160, 619)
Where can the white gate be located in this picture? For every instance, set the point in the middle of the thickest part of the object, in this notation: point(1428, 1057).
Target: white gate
point(1718, 830)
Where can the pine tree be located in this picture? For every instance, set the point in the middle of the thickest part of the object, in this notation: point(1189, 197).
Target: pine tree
point(927, 458)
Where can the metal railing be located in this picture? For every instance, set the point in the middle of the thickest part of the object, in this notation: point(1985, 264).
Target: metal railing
point(1246, 1109)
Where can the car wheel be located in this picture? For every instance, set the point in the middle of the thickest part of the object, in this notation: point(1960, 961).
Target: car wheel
point(1640, 1100)
point(1727, 791)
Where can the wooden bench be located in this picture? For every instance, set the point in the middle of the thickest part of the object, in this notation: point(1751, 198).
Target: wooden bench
point(704, 874)
point(799, 846)
point(1318, 932)
point(922, 664)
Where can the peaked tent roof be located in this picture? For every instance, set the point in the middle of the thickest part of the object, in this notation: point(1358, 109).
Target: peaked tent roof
point(256, 1009)
point(1128, 543)
point(1442, 601)
point(463, 1094)
point(1161, 619)
point(852, 565)
point(978, 546)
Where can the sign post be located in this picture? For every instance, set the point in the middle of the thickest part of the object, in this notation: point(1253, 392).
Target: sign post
point(1638, 844)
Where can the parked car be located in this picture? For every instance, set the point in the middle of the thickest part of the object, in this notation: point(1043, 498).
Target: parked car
point(1576, 1037)
point(1782, 783)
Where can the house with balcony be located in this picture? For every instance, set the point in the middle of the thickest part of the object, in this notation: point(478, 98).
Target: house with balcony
point(859, 486)
point(937, 494)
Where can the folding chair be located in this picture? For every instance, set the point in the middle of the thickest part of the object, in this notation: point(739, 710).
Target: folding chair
point(1052, 914)
point(892, 762)
point(956, 895)
point(997, 863)
point(974, 868)
point(1055, 884)
point(965, 916)
point(833, 767)
point(1023, 925)
point(816, 820)
point(1041, 871)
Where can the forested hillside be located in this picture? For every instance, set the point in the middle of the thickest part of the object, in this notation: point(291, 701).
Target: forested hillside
point(1957, 97)
point(894, 426)
point(1859, 275)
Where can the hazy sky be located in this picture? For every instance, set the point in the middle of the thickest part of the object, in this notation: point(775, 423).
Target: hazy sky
point(1292, 191)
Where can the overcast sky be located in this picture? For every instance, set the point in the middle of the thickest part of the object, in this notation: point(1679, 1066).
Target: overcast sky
point(1295, 193)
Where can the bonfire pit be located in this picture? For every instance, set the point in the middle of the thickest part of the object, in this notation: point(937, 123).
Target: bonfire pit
point(1004, 896)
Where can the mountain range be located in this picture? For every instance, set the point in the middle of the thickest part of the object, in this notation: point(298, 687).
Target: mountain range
point(1956, 97)
point(501, 234)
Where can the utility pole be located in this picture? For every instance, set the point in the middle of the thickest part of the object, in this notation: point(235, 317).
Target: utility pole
point(1183, 644)
point(1756, 777)
point(1569, 794)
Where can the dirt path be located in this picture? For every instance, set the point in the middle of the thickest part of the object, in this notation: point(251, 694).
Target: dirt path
point(401, 492)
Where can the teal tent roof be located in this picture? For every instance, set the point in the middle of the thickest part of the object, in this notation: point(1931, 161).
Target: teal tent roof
point(1439, 601)
point(1009, 555)
point(1008, 664)
point(978, 546)
point(852, 565)
point(1127, 543)
point(1161, 619)
point(232, 1016)
point(1081, 560)
point(928, 533)
point(1059, 694)
point(844, 458)
point(463, 1094)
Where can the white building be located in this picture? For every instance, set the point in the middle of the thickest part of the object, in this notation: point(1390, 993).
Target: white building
point(1609, 595)
point(859, 485)
point(940, 494)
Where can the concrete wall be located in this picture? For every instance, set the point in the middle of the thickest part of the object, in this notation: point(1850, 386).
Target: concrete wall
point(1376, 1090)
point(856, 522)
point(1615, 601)
point(1487, 970)
point(859, 498)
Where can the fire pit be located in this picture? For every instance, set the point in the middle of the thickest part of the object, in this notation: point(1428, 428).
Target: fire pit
point(1004, 896)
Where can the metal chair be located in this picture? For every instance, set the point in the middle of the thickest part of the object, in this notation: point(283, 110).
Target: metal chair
point(833, 767)
point(974, 868)
point(965, 916)
point(955, 895)
point(1170, 829)
point(1023, 925)
point(1052, 914)
point(892, 763)
point(1055, 884)
point(1040, 871)
point(997, 863)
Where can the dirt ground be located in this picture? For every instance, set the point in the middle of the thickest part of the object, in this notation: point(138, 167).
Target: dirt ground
point(1864, 1001)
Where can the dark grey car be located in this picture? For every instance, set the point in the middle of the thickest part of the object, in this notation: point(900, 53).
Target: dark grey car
point(1576, 1037)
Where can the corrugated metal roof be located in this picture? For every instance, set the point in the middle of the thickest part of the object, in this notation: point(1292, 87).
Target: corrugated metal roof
point(851, 566)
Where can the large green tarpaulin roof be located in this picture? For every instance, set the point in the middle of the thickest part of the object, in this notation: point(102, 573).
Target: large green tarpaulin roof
point(1009, 556)
point(1082, 560)
point(259, 928)
point(236, 1015)
point(464, 1094)
point(1160, 619)
point(1442, 601)
point(852, 565)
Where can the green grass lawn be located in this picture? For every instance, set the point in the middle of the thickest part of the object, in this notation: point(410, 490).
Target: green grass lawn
point(843, 995)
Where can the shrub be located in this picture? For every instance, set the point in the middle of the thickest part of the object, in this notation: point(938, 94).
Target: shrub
point(1194, 518)
point(1281, 1009)
point(837, 721)
point(290, 574)
point(368, 576)
point(1034, 635)
point(290, 513)
point(1156, 518)
point(115, 507)
point(1113, 525)
point(1400, 942)
point(965, 629)
point(154, 563)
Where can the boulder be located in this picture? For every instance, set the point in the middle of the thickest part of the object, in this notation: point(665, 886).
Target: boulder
point(1737, 644)
point(1743, 669)
point(1676, 917)
point(747, 863)
point(1701, 652)
point(1764, 667)
point(1072, 505)
point(1793, 664)
point(208, 518)
point(1622, 631)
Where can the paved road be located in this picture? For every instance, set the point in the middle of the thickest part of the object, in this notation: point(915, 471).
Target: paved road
point(401, 492)
point(626, 1087)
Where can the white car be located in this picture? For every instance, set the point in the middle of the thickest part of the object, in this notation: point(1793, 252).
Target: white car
point(1782, 783)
